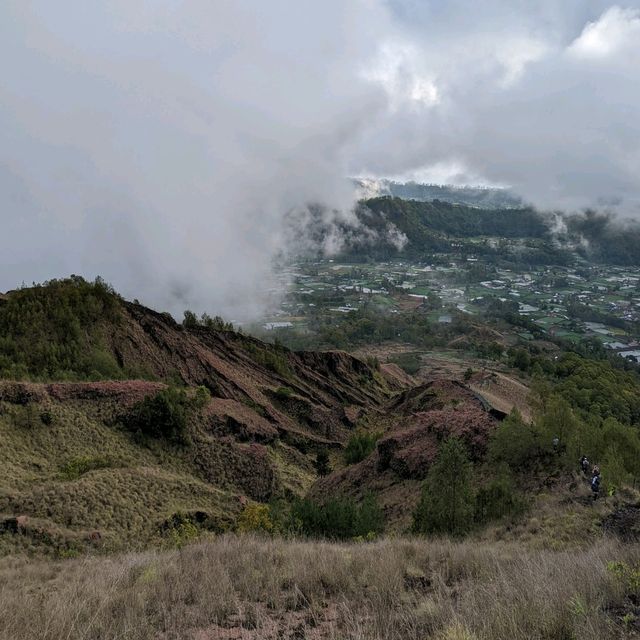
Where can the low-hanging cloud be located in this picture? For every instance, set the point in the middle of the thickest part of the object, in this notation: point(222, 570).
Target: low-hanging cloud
point(166, 145)
point(543, 97)
point(160, 144)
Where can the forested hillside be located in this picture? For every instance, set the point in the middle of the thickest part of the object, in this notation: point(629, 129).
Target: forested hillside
point(413, 217)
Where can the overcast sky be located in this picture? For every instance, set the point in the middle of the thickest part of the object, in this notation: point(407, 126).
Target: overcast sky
point(163, 144)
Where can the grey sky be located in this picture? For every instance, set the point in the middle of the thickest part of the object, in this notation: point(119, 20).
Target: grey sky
point(160, 144)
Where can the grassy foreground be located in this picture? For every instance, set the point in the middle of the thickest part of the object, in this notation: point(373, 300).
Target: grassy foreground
point(246, 587)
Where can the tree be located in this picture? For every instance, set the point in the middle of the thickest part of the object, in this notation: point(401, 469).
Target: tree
point(321, 462)
point(190, 319)
point(340, 518)
point(359, 446)
point(513, 442)
point(521, 359)
point(447, 502)
point(559, 421)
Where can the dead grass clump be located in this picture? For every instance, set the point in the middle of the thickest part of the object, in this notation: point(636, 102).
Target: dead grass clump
point(247, 587)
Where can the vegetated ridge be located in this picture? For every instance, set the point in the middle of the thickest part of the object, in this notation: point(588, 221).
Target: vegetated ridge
point(79, 455)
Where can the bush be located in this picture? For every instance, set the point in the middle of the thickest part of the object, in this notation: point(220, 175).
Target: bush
point(79, 466)
point(338, 519)
point(373, 362)
point(165, 415)
point(255, 517)
point(284, 392)
point(628, 577)
point(360, 445)
point(180, 530)
point(498, 498)
point(410, 363)
point(273, 358)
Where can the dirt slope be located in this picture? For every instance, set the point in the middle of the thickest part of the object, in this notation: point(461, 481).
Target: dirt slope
point(418, 420)
point(71, 468)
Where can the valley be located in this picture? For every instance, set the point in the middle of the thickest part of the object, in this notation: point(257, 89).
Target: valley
point(428, 411)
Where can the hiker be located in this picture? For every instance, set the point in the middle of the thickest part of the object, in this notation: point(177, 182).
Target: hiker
point(584, 465)
point(595, 485)
point(556, 444)
point(595, 471)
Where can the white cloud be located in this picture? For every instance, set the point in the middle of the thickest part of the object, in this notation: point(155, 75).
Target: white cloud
point(616, 30)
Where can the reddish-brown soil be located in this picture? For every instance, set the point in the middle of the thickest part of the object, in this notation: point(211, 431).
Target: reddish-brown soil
point(419, 420)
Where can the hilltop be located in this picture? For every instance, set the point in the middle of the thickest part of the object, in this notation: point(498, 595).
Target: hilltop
point(87, 358)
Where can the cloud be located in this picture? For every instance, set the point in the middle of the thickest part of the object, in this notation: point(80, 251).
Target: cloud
point(162, 144)
point(171, 146)
point(615, 31)
point(544, 99)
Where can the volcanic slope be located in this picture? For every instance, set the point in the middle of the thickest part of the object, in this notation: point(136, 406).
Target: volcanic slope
point(73, 469)
point(414, 423)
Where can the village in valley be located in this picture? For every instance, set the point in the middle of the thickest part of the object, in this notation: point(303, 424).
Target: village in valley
point(566, 302)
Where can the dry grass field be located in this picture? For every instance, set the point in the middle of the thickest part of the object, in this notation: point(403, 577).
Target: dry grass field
point(394, 589)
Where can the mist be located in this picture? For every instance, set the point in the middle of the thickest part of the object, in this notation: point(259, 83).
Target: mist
point(174, 148)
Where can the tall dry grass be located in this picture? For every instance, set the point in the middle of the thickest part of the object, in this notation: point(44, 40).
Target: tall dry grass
point(247, 587)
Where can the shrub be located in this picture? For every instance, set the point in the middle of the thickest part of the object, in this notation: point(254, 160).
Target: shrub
point(273, 358)
point(164, 415)
point(77, 467)
point(628, 576)
point(180, 530)
point(498, 498)
point(410, 363)
point(284, 392)
point(338, 519)
point(373, 362)
point(255, 517)
point(359, 446)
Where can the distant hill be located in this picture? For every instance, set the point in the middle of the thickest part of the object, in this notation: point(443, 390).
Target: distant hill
point(430, 215)
point(483, 197)
point(442, 227)
point(418, 220)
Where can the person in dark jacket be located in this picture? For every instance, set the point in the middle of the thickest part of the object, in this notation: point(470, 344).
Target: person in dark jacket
point(584, 465)
point(595, 484)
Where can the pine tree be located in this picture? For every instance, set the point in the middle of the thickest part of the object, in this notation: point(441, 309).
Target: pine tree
point(322, 462)
point(447, 502)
